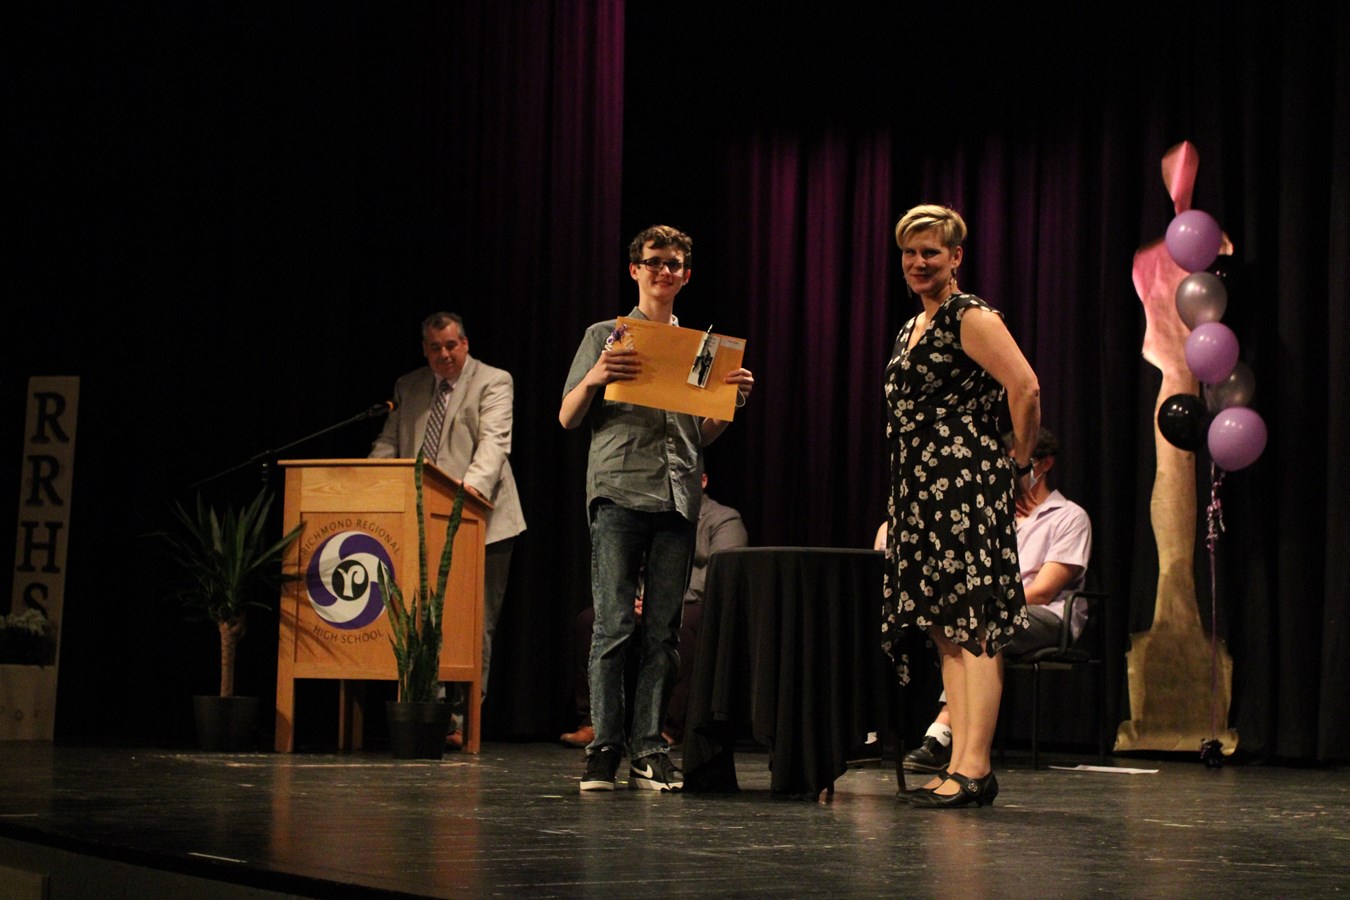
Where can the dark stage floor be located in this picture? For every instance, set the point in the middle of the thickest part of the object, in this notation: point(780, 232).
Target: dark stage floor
point(510, 821)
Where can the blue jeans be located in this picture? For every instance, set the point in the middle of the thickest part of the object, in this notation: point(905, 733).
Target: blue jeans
point(623, 541)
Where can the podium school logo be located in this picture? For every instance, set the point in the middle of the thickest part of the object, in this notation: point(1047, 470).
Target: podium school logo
point(343, 579)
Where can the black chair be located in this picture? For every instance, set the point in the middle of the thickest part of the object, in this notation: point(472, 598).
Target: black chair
point(1088, 652)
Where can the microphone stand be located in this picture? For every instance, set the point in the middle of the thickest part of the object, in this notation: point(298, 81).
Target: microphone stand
point(263, 458)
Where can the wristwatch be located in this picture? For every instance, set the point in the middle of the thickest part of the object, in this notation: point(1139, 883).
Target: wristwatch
point(1022, 470)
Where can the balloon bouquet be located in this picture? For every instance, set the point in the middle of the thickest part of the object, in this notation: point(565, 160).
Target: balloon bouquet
point(1220, 418)
point(1236, 435)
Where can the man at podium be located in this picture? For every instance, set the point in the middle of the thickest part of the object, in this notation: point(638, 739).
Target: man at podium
point(458, 411)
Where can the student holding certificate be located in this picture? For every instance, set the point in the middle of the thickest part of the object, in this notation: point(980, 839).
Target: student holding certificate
point(643, 494)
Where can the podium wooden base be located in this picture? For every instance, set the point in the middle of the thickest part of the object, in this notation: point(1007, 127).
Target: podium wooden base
point(359, 515)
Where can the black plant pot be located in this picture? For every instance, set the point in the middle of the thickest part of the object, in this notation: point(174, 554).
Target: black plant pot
point(225, 723)
point(417, 729)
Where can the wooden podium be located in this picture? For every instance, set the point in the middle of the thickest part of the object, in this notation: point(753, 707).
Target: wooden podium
point(358, 513)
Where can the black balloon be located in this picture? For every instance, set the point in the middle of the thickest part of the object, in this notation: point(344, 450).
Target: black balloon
point(1184, 421)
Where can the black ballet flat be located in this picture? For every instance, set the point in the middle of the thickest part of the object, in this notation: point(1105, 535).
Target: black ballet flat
point(970, 792)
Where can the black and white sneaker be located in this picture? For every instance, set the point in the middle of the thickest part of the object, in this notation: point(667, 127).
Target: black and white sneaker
point(655, 773)
point(601, 767)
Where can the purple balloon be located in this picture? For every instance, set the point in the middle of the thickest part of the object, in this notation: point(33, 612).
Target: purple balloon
point(1211, 351)
point(1193, 239)
point(1201, 297)
point(1236, 438)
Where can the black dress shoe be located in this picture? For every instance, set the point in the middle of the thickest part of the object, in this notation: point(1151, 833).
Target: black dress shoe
point(970, 792)
point(930, 756)
point(990, 789)
point(905, 795)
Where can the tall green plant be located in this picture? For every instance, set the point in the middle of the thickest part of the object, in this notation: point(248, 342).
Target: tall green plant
point(415, 630)
point(226, 565)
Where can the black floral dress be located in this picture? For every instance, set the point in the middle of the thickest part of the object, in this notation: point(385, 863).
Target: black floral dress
point(951, 546)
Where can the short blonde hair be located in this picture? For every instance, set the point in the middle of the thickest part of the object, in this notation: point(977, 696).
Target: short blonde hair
point(926, 216)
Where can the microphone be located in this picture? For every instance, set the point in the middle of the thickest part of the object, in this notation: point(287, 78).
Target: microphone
point(379, 409)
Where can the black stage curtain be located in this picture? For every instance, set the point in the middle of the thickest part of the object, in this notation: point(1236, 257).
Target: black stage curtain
point(257, 206)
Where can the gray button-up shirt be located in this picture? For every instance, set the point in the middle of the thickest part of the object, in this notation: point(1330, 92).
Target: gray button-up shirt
point(641, 458)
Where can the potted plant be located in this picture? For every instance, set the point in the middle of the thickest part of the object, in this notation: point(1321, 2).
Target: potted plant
point(418, 720)
point(27, 672)
point(27, 638)
point(226, 565)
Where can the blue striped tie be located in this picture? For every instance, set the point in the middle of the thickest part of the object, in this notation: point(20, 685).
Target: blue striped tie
point(432, 442)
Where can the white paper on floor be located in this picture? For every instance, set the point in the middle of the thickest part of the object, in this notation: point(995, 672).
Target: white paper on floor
point(1115, 770)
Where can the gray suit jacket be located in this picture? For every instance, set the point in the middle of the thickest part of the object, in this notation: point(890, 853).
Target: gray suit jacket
point(476, 441)
point(719, 528)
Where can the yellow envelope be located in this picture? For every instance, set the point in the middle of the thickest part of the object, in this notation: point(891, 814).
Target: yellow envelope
point(674, 362)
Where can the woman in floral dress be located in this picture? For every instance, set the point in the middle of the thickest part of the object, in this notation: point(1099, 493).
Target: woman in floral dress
point(952, 568)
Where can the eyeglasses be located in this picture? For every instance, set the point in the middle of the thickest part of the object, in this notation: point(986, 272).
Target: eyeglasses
point(655, 264)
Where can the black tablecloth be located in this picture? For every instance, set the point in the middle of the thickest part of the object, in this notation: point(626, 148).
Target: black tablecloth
point(790, 647)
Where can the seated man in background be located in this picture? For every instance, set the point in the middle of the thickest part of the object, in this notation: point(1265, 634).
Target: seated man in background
point(719, 528)
point(1054, 542)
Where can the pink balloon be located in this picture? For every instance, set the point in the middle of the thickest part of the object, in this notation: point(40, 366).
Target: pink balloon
point(1193, 239)
point(1212, 351)
point(1236, 438)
